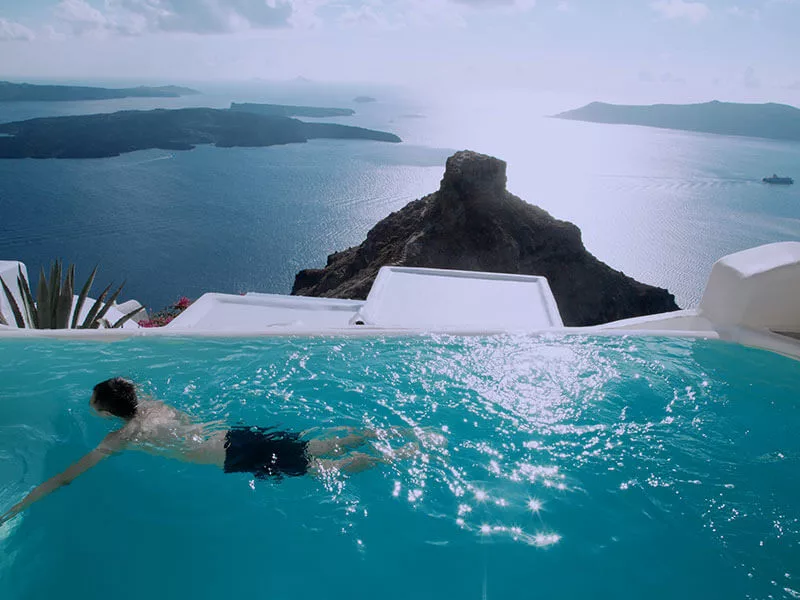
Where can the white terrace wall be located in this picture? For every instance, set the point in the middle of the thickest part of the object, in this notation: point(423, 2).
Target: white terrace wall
point(9, 271)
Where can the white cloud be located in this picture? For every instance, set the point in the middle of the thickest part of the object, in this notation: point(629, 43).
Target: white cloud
point(513, 4)
point(750, 79)
point(679, 9)
point(137, 17)
point(11, 31)
point(668, 77)
point(364, 15)
point(81, 16)
point(744, 13)
point(564, 6)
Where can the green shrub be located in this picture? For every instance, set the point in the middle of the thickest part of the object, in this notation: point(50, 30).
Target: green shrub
point(54, 302)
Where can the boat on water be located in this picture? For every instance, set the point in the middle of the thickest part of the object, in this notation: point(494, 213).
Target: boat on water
point(778, 180)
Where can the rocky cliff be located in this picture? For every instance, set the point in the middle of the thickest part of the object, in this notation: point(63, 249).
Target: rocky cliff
point(474, 223)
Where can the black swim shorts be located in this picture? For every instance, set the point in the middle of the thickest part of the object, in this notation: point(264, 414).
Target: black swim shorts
point(265, 452)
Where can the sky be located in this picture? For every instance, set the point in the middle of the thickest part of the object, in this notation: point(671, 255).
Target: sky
point(670, 49)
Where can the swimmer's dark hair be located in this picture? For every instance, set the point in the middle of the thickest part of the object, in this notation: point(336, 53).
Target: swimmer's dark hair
point(117, 396)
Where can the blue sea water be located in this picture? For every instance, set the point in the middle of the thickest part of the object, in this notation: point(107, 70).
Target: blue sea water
point(574, 468)
point(660, 205)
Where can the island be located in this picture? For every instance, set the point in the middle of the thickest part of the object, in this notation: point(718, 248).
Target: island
point(364, 99)
point(284, 110)
point(473, 223)
point(772, 121)
point(104, 135)
point(27, 92)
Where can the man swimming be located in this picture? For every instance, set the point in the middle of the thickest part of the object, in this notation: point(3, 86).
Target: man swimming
point(153, 427)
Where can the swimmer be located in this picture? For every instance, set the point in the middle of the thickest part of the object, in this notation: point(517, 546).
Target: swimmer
point(156, 428)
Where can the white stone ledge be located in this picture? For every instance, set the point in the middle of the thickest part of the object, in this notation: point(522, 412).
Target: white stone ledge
point(749, 295)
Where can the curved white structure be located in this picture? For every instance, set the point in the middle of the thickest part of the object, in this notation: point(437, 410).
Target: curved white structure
point(752, 297)
point(757, 288)
point(9, 271)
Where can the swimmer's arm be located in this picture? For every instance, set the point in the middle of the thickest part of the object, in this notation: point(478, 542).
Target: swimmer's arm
point(112, 443)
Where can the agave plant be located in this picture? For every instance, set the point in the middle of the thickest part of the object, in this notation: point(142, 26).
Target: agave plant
point(54, 302)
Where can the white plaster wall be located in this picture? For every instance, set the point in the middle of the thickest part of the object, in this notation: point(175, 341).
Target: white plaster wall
point(757, 288)
point(441, 298)
point(228, 312)
point(9, 271)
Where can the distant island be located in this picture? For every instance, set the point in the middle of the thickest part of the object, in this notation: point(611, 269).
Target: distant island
point(104, 135)
point(283, 110)
point(27, 92)
point(772, 121)
point(364, 99)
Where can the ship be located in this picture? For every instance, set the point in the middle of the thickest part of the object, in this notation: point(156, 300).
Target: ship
point(778, 180)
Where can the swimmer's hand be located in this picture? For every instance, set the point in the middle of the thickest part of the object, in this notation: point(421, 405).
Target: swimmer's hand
point(112, 443)
point(11, 513)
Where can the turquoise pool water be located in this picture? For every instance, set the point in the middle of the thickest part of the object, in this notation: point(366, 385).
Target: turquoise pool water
point(575, 468)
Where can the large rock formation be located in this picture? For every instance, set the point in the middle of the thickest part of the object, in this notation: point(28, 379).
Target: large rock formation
point(474, 223)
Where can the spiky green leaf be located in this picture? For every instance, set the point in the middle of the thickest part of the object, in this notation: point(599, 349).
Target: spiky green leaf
point(122, 320)
point(27, 297)
point(43, 301)
point(55, 292)
point(65, 300)
point(88, 322)
point(14, 306)
point(82, 298)
point(108, 305)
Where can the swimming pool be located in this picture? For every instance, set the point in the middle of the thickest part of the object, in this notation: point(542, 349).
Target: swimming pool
point(575, 467)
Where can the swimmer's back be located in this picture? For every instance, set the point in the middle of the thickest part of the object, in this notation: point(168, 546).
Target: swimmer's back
point(160, 429)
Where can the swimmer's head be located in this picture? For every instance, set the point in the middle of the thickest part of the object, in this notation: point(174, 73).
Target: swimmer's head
point(115, 398)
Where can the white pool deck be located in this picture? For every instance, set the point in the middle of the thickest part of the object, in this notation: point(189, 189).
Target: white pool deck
point(752, 297)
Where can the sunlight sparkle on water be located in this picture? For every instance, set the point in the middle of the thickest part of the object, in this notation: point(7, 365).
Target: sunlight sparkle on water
point(534, 505)
point(546, 539)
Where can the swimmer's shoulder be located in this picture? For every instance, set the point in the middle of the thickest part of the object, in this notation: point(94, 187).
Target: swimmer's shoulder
point(155, 411)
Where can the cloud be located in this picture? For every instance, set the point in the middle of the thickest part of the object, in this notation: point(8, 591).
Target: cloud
point(744, 13)
point(140, 17)
point(679, 9)
point(670, 78)
point(364, 15)
point(12, 32)
point(564, 6)
point(137, 17)
point(519, 4)
point(750, 79)
point(81, 16)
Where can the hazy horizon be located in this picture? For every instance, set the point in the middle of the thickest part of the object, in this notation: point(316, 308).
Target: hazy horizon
point(644, 51)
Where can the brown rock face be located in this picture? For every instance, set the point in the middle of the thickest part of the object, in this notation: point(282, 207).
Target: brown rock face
point(473, 223)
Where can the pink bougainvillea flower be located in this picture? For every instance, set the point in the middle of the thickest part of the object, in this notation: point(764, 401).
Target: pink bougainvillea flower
point(183, 303)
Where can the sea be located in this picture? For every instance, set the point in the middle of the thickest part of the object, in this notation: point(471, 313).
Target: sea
point(661, 206)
